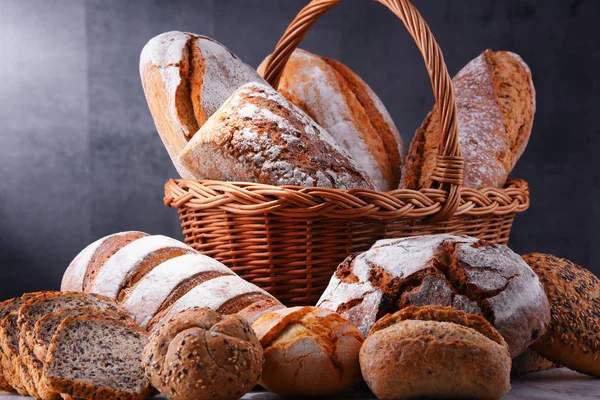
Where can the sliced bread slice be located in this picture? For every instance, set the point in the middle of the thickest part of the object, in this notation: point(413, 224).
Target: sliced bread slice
point(107, 355)
point(36, 308)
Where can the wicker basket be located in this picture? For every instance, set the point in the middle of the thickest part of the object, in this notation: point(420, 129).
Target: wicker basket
point(290, 239)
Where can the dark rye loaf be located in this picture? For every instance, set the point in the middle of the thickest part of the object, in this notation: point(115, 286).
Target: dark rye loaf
point(458, 271)
point(107, 353)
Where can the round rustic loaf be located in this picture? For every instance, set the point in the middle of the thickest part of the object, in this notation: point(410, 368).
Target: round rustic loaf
point(458, 271)
point(309, 351)
point(200, 354)
point(259, 136)
point(186, 78)
point(342, 103)
point(435, 352)
point(495, 105)
point(573, 336)
point(154, 277)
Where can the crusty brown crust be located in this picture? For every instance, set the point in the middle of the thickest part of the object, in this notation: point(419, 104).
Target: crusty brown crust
point(200, 353)
point(441, 314)
point(258, 136)
point(572, 338)
point(425, 358)
point(84, 389)
point(529, 362)
point(309, 351)
point(495, 101)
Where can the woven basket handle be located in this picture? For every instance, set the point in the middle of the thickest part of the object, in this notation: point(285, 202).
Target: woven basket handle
point(448, 172)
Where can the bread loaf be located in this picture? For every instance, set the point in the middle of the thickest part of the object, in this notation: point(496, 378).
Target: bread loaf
point(572, 338)
point(308, 352)
point(458, 271)
point(259, 136)
point(200, 354)
point(154, 277)
point(186, 78)
point(346, 107)
point(529, 362)
point(435, 352)
point(96, 357)
point(495, 101)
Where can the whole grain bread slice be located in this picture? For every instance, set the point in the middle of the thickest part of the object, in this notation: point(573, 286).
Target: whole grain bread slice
point(46, 327)
point(107, 353)
point(36, 308)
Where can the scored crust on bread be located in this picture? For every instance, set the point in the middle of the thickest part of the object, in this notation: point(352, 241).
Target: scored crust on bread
point(458, 271)
point(259, 136)
point(346, 107)
point(107, 353)
point(573, 336)
point(31, 312)
point(495, 100)
point(186, 78)
point(435, 352)
point(152, 275)
point(309, 351)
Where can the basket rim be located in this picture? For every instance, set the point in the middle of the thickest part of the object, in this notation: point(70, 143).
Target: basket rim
point(256, 199)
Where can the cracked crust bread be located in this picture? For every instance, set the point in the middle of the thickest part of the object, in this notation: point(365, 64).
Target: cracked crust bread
point(259, 136)
point(107, 353)
point(309, 351)
point(573, 336)
point(201, 354)
point(186, 78)
point(458, 271)
point(346, 107)
point(153, 277)
point(435, 351)
point(495, 100)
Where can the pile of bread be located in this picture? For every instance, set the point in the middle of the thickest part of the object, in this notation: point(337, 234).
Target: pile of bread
point(323, 126)
point(435, 315)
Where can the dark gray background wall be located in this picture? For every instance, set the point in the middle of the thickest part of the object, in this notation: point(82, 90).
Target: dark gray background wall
point(80, 157)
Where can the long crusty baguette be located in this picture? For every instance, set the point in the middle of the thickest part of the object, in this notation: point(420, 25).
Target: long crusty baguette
point(186, 78)
point(495, 101)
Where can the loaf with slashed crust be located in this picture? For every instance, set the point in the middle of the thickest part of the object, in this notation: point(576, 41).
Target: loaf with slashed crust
point(154, 277)
point(495, 100)
point(437, 352)
point(346, 107)
point(186, 78)
point(458, 271)
point(259, 136)
point(107, 354)
point(309, 351)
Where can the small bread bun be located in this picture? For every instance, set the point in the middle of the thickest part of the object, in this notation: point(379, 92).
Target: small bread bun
point(435, 351)
point(309, 351)
point(573, 336)
point(200, 354)
point(342, 103)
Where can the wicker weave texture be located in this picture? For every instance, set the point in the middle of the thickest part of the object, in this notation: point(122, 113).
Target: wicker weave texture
point(289, 240)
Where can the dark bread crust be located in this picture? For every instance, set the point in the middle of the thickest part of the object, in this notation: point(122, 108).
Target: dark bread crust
point(80, 389)
point(573, 336)
point(501, 80)
point(199, 353)
point(529, 362)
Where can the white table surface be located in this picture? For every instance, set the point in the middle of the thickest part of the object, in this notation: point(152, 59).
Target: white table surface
point(556, 384)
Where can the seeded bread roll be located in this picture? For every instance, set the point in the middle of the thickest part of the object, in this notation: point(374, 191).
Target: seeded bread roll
point(186, 78)
point(495, 101)
point(154, 277)
point(346, 107)
point(573, 336)
point(435, 352)
point(458, 271)
point(107, 355)
point(309, 351)
point(259, 136)
point(200, 354)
